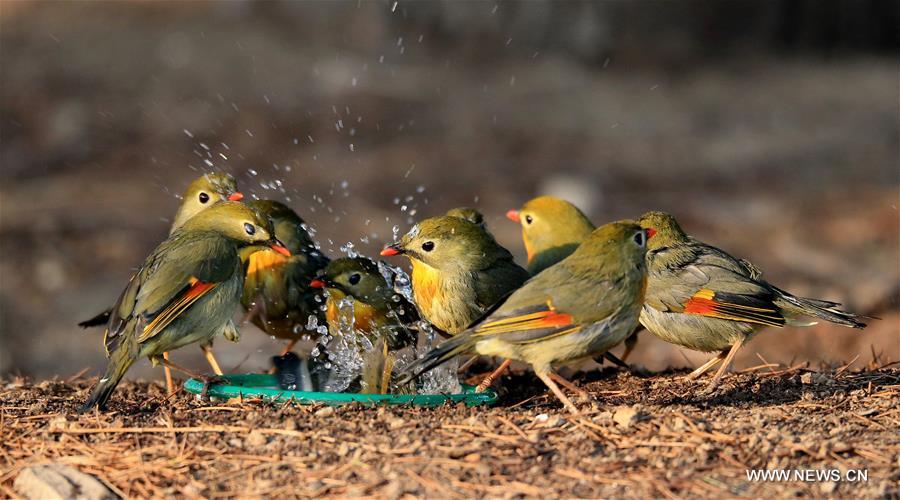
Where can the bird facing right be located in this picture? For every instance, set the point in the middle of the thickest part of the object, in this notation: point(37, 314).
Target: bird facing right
point(185, 292)
point(277, 295)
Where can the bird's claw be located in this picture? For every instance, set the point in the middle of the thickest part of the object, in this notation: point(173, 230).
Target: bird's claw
point(208, 381)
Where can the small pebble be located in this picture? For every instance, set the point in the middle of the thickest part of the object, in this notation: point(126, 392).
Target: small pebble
point(325, 412)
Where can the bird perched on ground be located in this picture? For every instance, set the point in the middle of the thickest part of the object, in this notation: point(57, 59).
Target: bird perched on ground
point(204, 192)
point(582, 306)
point(356, 286)
point(552, 229)
point(184, 293)
point(458, 270)
point(469, 214)
point(701, 298)
point(277, 295)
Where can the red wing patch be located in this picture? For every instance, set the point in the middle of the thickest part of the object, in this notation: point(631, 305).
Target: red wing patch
point(195, 290)
point(530, 326)
point(728, 306)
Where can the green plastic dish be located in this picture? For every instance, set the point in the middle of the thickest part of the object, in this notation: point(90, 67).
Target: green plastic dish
point(254, 385)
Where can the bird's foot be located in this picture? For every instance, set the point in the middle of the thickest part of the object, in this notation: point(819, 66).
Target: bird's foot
point(582, 394)
point(494, 375)
point(208, 381)
point(710, 388)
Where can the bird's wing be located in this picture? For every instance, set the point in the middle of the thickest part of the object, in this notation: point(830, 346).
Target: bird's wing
point(497, 281)
point(714, 284)
point(193, 291)
point(540, 309)
point(179, 272)
point(527, 324)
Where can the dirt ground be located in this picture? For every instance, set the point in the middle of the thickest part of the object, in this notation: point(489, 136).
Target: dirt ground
point(674, 443)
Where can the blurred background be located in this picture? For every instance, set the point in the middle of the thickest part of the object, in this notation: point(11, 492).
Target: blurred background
point(769, 128)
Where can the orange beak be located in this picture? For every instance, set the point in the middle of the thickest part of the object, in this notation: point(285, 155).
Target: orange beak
point(317, 284)
point(650, 232)
point(391, 250)
point(236, 196)
point(279, 247)
point(513, 215)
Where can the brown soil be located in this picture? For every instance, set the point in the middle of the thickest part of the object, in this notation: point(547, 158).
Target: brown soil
point(680, 444)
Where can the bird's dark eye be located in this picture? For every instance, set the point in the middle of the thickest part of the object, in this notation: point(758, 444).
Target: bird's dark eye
point(354, 278)
point(249, 228)
point(639, 238)
point(428, 246)
point(204, 197)
point(528, 219)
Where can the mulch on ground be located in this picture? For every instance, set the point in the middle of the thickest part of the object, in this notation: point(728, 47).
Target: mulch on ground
point(648, 434)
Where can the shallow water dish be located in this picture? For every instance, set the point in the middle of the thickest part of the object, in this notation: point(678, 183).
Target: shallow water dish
point(254, 385)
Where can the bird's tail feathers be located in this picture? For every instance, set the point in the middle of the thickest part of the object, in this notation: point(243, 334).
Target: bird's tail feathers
point(816, 308)
point(98, 320)
point(448, 349)
point(119, 363)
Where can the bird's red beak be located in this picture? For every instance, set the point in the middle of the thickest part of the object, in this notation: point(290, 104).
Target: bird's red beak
point(390, 250)
point(513, 215)
point(280, 248)
point(236, 196)
point(317, 284)
point(650, 232)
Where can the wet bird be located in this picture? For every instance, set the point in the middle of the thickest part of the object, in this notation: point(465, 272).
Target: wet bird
point(702, 298)
point(360, 300)
point(204, 192)
point(582, 306)
point(552, 229)
point(458, 272)
point(277, 296)
point(184, 293)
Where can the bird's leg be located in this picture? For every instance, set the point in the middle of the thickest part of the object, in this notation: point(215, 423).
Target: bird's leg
point(559, 394)
point(170, 385)
point(630, 342)
point(581, 393)
point(614, 360)
point(252, 312)
point(705, 366)
point(211, 359)
point(725, 364)
point(164, 360)
point(386, 374)
point(493, 376)
point(290, 345)
point(206, 380)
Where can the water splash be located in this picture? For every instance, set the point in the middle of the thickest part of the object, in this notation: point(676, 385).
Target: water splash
point(344, 350)
point(397, 279)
